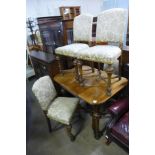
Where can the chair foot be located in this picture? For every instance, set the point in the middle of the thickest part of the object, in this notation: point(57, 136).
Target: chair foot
point(71, 136)
point(108, 140)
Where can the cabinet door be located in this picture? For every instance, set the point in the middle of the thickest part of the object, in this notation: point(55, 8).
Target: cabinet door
point(40, 69)
point(52, 36)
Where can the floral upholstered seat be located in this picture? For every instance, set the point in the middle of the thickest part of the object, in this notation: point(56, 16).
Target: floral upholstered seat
point(62, 109)
point(104, 54)
point(82, 32)
point(71, 50)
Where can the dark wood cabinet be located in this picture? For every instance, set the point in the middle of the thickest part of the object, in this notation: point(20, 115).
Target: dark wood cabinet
point(51, 31)
point(44, 64)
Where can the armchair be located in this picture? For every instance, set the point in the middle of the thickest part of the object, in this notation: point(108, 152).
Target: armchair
point(118, 128)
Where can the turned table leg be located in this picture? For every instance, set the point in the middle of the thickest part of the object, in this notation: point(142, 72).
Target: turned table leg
point(96, 115)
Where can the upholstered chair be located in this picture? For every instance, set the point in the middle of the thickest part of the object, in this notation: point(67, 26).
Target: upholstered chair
point(60, 109)
point(111, 25)
point(82, 36)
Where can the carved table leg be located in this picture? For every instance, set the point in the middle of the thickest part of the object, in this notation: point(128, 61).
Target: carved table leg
point(96, 115)
point(59, 64)
point(109, 72)
point(68, 129)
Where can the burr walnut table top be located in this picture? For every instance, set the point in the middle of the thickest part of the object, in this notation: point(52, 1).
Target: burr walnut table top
point(95, 92)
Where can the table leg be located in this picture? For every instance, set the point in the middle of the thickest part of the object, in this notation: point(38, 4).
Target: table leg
point(96, 115)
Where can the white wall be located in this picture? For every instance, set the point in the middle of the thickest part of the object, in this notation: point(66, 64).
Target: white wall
point(41, 8)
point(108, 4)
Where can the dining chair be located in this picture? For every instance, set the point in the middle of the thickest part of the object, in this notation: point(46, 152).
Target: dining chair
point(82, 36)
point(60, 109)
point(111, 26)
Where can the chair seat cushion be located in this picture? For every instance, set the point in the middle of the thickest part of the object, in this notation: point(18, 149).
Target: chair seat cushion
point(101, 53)
point(62, 109)
point(71, 50)
point(121, 129)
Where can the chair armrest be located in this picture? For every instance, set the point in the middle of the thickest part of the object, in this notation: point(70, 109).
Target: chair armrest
point(119, 107)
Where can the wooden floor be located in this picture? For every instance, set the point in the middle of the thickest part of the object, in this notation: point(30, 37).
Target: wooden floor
point(94, 90)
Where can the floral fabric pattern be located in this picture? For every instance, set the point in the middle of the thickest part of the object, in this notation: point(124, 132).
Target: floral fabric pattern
point(44, 91)
point(111, 25)
point(62, 109)
point(82, 27)
point(71, 50)
point(101, 53)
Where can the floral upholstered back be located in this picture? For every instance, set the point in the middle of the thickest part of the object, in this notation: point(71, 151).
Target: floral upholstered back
point(44, 91)
point(111, 25)
point(82, 27)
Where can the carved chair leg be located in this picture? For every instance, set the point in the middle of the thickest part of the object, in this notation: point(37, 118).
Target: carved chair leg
point(79, 64)
point(76, 70)
point(99, 71)
point(92, 67)
point(120, 67)
point(68, 129)
point(59, 64)
point(48, 121)
point(109, 72)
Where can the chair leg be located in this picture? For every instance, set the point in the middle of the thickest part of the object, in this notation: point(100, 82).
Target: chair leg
point(48, 121)
point(79, 64)
point(109, 72)
point(108, 140)
point(59, 64)
point(99, 71)
point(68, 129)
point(76, 70)
point(92, 66)
point(120, 67)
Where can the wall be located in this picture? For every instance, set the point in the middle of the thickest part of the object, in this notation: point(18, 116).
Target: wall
point(108, 4)
point(41, 8)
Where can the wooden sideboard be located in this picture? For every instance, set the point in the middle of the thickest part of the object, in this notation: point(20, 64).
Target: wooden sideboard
point(44, 64)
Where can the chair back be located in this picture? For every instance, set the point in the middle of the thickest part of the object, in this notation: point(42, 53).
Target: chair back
point(44, 91)
point(111, 25)
point(82, 28)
